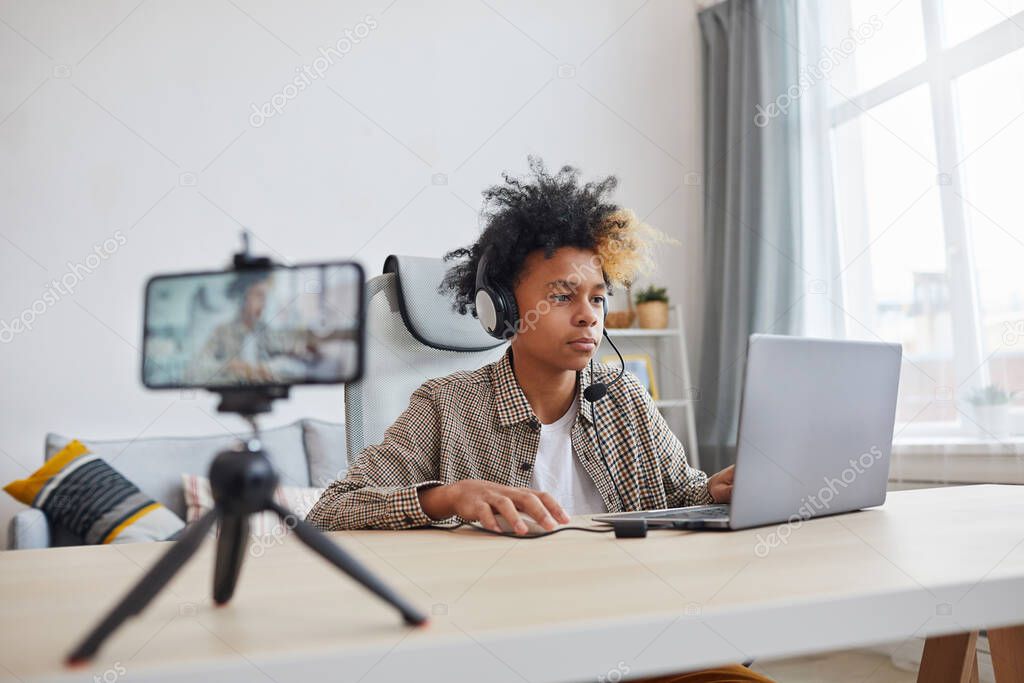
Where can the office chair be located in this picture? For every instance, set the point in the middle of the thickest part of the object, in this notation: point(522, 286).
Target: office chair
point(412, 335)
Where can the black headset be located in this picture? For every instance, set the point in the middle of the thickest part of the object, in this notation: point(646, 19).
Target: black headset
point(496, 304)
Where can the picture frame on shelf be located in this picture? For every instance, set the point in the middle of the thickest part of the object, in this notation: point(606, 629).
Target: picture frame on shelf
point(641, 365)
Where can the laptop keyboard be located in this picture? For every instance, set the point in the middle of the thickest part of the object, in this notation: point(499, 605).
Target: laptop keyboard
point(696, 512)
point(719, 511)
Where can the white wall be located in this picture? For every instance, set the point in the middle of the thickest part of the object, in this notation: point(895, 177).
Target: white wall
point(120, 116)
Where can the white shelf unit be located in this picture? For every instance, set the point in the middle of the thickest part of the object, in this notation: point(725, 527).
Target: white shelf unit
point(677, 393)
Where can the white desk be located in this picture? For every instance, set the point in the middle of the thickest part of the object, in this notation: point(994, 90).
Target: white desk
point(573, 606)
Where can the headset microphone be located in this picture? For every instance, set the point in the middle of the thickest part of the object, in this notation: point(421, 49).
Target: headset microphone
point(598, 390)
point(595, 392)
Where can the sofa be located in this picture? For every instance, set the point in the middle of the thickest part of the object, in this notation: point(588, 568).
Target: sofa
point(304, 453)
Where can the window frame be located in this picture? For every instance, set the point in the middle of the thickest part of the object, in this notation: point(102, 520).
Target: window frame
point(941, 67)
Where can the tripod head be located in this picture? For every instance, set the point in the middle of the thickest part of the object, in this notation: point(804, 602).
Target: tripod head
point(254, 400)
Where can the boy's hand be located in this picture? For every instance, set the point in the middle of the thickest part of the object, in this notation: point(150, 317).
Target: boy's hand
point(720, 485)
point(479, 500)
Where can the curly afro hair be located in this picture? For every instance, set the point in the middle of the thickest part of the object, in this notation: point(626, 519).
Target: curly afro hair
point(549, 212)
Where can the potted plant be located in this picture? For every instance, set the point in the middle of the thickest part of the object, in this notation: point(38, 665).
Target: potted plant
point(990, 408)
point(652, 308)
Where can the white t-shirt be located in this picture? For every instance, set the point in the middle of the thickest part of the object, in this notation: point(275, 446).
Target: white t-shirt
point(557, 472)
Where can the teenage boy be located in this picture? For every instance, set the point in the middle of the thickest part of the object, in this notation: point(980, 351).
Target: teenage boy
point(518, 435)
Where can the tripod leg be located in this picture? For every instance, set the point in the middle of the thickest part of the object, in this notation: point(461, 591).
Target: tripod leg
point(147, 587)
point(312, 537)
point(231, 546)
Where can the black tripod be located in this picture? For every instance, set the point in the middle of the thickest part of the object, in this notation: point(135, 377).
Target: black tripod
point(243, 482)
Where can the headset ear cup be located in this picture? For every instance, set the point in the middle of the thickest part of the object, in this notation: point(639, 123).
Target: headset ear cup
point(486, 311)
point(491, 306)
point(510, 313)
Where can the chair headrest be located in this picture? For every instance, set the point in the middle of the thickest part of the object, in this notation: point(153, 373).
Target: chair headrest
point(427, 313)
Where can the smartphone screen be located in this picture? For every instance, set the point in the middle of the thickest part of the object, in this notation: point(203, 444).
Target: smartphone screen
point(276, 326)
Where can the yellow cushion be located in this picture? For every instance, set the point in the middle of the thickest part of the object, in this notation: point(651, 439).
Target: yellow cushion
point(80, 491)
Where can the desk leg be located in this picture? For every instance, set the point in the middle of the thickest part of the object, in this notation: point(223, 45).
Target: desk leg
point(1007, 645)
point(950, 659)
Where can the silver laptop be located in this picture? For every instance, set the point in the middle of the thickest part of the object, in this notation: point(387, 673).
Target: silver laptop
point(815, 434)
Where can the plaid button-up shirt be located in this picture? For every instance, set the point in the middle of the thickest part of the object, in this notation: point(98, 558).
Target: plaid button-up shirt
point(479, 425)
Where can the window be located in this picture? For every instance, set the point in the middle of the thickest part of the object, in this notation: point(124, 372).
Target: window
point(927, 133)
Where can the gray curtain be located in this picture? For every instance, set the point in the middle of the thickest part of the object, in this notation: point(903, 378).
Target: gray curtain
point(753, 278)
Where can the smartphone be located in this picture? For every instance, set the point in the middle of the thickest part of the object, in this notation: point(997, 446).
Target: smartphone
point(276, 326)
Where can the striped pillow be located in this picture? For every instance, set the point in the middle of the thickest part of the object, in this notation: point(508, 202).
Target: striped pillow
point(81, 492)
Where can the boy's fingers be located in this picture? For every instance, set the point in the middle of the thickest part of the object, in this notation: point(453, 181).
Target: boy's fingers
point(507, 509)
point(552, 505)
point(485, 516)
point(531, 505)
